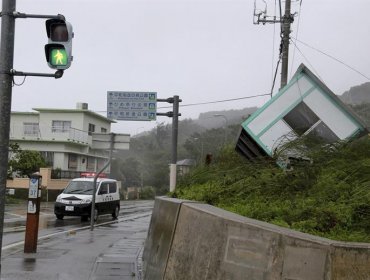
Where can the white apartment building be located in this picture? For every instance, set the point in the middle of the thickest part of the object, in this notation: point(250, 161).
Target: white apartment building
point(63, 136)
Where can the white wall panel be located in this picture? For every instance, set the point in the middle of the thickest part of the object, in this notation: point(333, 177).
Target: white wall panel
point(278, 134)
point(331, 115)
point(294, 93)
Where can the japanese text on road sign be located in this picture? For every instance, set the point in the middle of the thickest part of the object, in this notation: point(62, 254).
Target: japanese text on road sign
point(132, 106)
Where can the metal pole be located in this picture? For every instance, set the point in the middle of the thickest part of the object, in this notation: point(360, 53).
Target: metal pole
point(6, 63)
point(285, 44)
point(175, 120)
point(96, 179)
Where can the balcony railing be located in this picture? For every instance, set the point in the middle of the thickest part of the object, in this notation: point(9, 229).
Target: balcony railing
point(49, 133)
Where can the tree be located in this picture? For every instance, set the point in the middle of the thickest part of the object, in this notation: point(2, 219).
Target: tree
point(24, 162)
point(128, 171)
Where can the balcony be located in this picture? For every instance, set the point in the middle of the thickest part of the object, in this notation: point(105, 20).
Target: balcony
point(49, 133)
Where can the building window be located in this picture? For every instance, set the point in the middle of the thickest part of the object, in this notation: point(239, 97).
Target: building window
point(48, 157)
point(103, 130)
point(91, 127)
point(72, 161)
point(301, 118)
point(101, 163)
point(61, 126)
point(90, 165)
point(30, 129)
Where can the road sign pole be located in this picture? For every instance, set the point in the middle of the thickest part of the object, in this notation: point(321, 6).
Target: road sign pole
point(33, 214)
point(175, 121)
point(6, 64)
point(175, 100)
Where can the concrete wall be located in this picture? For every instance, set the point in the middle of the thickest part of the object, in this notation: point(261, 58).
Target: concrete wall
point(198, 241)
point(47, 182)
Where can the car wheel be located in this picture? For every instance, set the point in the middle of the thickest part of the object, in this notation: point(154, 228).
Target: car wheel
point(116, 212)
point(59, 217)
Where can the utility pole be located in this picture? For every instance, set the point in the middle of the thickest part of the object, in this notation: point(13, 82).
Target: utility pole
point(6, 64)
point(287, 20)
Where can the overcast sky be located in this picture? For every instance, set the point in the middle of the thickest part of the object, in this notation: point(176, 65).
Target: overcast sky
point(201, 50)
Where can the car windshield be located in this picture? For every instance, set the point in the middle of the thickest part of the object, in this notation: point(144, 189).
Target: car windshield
point(79, 187)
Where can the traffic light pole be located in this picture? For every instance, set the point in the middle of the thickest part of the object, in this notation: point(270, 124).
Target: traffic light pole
point(6, 64)
point(13, 15)
point(58, 74)
point(175, 100)
point(8, 16)
point(23, 15)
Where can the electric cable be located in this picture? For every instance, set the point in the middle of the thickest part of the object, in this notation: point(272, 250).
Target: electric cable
point(273, 50)
point(296, 37)
point(313, 69)
point(218, 101)
point(332, 57)
point(273, 83)
point(15, 84)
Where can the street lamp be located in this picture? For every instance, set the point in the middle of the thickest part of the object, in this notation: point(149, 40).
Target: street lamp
point(226, 122)
point(202, 148)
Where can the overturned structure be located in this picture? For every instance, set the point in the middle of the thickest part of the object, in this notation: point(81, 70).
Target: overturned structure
point(305, 106)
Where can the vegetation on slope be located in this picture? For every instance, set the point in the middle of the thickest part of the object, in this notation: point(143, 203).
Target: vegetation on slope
point(329, 196)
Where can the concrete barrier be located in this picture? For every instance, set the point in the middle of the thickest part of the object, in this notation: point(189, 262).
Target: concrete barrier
point(161, 230)
point(210, 243)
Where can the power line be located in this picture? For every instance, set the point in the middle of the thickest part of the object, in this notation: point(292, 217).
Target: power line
point(296, 37)
point(332, 57)
point(273, 49)
point(276, 70)
point(218, 101)
point(313, 69)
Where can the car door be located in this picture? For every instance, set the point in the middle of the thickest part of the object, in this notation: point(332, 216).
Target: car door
point(112, 196)
point(103, 197)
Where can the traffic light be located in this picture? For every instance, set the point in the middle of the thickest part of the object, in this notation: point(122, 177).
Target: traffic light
point(58, 51)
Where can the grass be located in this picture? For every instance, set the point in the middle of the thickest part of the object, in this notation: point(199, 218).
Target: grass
point(328, 197)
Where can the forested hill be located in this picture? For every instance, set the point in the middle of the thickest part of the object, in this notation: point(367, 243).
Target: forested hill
point(357, 95)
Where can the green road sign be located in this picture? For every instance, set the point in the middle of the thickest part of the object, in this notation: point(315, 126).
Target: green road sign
point(58, 57)
point(132, 105)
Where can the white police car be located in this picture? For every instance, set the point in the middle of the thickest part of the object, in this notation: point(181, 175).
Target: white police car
point(76, 199)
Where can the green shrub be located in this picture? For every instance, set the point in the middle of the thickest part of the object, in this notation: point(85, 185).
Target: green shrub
point(147, 193)
point(328, 196)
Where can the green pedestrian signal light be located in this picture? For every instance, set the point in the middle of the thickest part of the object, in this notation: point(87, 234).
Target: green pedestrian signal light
point(58, 57)
point(59, 49)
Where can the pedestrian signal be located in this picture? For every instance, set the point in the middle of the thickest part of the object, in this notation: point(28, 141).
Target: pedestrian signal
point(58, 51)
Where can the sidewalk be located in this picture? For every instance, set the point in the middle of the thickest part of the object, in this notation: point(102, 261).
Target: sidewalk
point(111, 251)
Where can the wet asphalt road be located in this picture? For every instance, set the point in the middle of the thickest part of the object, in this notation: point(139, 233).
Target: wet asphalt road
point(69, 250)
point(15, 219)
